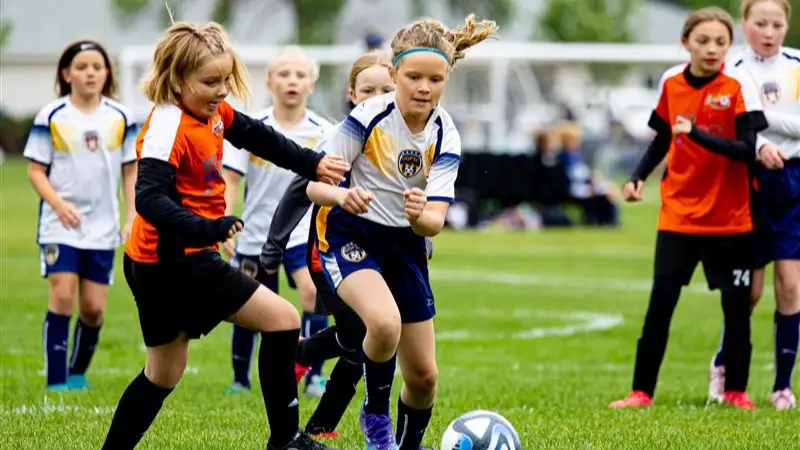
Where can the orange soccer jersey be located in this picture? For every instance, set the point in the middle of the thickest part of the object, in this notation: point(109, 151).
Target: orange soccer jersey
point(194, 148)
point(704, 192)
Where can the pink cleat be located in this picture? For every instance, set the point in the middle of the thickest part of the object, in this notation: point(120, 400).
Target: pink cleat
point(739, 400)
point(633, 400)
point(783, 400)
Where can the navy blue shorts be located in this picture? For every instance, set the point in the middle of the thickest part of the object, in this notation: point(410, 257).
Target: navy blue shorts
point(294, 258)
point(399, 254)
point(780, 199)
point(92, 265)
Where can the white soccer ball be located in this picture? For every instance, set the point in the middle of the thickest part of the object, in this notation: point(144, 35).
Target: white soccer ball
point(481, 430)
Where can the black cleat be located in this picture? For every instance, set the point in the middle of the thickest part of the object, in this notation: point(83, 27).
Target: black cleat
point(301, 441)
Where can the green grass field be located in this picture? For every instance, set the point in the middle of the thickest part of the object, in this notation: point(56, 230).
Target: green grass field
point(540, 327)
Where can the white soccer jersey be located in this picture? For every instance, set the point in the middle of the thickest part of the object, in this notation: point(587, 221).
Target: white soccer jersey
point(386, 158)
point(777, 80)
point(265, 183)
point(84, 154)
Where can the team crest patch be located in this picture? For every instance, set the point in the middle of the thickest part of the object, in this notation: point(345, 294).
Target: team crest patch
point(249, 267)
point(722, 101)
point(771, 92)
point(409, 163)
point(92, 140)
point(219, 127)
point(353, 253)
point(51, 254)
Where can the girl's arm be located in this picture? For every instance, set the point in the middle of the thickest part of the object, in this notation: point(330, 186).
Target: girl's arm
point(129, 194)
point(67, 213)
point(325, 195)
point(785, 124)
point(290, 211)
point(743, 148)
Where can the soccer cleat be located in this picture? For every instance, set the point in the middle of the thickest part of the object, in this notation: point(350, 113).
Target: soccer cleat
point(77, 382)
point(783, 400)
point(739, 400)
point(300, 371)
point(716, 382)
point(301, 441)
point(316, 387)
point(634, 399)
point(237, 388)
point(377, 430)
point(58, 387)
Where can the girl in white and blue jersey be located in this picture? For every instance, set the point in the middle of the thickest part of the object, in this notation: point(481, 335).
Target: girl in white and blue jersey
point(290, 78)
point(78, 146)
point(775, 72)
point(404, 154)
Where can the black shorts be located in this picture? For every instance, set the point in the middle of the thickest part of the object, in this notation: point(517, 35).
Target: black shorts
point(328, 301)
point(728, 261)
point(191, 296)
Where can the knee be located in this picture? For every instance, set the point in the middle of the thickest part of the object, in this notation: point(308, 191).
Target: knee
point(286, 318)
point(166, 372)
point(92, 313)
point(385, 329)
point(308, 296)
point(788, 295)
point(422, 383)
point(62, 297)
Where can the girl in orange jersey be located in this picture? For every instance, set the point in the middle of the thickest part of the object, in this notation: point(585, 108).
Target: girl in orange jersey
point(706, 120)
point(181, 285)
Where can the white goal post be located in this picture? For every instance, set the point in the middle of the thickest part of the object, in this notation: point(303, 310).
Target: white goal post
point(497, 57)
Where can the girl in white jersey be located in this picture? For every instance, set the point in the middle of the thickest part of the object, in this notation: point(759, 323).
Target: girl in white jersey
point(290, 78)
point(774, 70)
point(78, 146)
point(404, 152)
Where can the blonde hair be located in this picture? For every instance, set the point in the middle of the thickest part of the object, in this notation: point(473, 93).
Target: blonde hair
point(367, 60)
point(710, 14)
point(429, 33)
point(293, 51)
point(182, 50)
point(747, 5)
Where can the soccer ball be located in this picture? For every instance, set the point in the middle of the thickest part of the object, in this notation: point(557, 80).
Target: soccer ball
point(481, 430)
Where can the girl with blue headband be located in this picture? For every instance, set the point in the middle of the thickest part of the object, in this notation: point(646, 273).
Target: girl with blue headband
point(404, 152)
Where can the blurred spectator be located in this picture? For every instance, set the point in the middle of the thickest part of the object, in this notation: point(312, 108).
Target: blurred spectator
point(374, 41)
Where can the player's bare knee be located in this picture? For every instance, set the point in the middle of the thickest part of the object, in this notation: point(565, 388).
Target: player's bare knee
point(308, 296)
point(62, 297)
point(385, 330)
point(788, 296)
point(286, 318)
point(423, 383)
point(92, 313)
point(166, 364)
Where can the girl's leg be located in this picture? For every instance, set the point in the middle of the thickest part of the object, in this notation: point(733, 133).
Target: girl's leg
point(417, 356)
point(142, 400)
point(311, 324)
point(92, 305)
point(787, 321)
point(277, 321)
point(61, 302)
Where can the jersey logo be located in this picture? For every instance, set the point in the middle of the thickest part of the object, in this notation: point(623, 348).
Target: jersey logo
point(409, 163)
point(351, 252)
point(219, 127)
point(92, 140)
point(51, 254)
point(771, 92)
point(722, 101)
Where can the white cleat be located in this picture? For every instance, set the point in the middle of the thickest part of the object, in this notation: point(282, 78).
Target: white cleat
point(716, 383)
point(783, 400)
point(316, 388)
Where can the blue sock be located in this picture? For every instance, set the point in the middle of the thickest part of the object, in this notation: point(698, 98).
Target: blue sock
point(56, 340)
point(787, 335)
point(243, 344)
point(84, 342)
point(378, 379)
point(311, 325)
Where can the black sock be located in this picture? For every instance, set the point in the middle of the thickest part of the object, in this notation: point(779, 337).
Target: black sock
point(738, 349)
point(655, 333)
point(243, 344)
point(84, 342)
point(318, 348)
point(278, 384)
point(411, 425)
point(378, 379)
point(339, 392)
point(56, 340)
point(787, 335)
point(136, 410)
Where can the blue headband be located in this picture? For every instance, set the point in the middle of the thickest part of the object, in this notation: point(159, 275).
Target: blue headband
point(419, 49)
